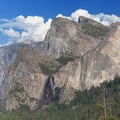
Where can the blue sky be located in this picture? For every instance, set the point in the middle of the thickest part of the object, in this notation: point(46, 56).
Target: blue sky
point(50, 8)
point(11, 9)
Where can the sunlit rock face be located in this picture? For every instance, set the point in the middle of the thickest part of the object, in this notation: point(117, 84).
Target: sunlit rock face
point(66, 36)
point(102, 63)
point(77, 56)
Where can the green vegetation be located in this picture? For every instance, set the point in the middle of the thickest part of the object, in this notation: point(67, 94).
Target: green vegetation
point(100, 103)
point(64, 59)
point(49, 68)
point(18, 88)
point(21, 96)
point(95, 30)
point(16, 91)
point(53, 67)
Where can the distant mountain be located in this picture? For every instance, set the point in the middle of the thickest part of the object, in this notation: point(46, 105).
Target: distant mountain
point(74, 56)
point(7, 57)
point(27, 41)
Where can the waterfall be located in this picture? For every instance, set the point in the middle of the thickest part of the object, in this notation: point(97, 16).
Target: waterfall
point(51, 91)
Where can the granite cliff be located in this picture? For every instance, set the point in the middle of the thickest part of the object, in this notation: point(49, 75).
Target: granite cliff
point(74, 56)
point(7, 57)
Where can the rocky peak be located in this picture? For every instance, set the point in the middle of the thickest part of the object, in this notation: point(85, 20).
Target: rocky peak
point(72, 37)
point(93, 28)
point(78, 55)
point(102, 63)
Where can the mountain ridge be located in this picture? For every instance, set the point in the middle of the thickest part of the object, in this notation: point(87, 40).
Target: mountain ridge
point(76, 58)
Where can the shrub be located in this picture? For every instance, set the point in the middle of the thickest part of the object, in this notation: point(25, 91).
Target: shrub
point(64, 59)
point(95, 30)
point(49, 69)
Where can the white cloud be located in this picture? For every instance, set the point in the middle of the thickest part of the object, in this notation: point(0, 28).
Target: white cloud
point(101, 17)
point(11, 33)
point(60, 15)
point(35, 28)
point(78, 13)
point(36, 32)
point(105, 19)
point(31, 27)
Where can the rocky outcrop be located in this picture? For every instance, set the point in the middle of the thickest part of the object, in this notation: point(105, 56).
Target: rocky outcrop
point(7, 57)
point(102, 63)
point(77, 59)
point(27, 82)
point(66, 36)
point(25, 79)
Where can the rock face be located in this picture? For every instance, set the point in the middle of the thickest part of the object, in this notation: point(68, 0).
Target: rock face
point(7, 57)
point(25, 79)
point(102, 63)
point(71, 37)
point(77, 55)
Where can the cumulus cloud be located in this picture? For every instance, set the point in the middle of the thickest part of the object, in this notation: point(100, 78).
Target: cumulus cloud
point(105, 19)
point(10, 32)
point(78, 13)
point(102, 18)
point(60, 15)
point(35, 28)
point(21, 28)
